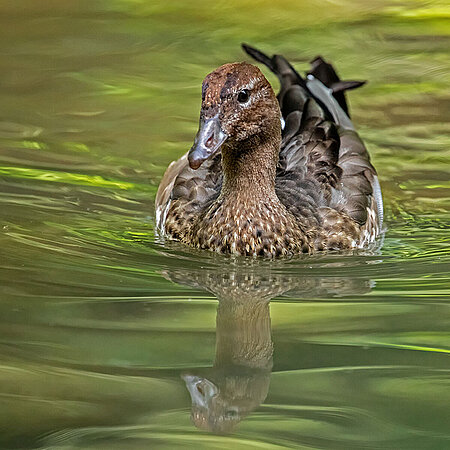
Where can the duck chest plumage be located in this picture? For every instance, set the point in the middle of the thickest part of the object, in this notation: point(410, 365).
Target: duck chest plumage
point(272, 175)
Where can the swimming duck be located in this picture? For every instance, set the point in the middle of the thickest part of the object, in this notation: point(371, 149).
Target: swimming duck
point(272, 175)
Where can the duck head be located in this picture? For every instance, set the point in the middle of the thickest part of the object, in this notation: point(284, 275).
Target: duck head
point(238, 107)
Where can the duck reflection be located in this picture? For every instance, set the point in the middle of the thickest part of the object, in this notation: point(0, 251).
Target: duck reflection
point(238, 382)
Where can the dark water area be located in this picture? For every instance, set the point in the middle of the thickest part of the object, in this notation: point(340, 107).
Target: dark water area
point(112, 338)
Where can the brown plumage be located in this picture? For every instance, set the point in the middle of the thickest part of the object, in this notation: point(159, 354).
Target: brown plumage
point(250, 187)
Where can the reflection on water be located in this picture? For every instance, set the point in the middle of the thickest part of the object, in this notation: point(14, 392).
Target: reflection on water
point(334, 379)
point(112, 339)
point(239, 380)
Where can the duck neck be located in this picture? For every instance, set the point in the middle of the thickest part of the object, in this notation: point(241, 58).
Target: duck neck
point(243, 335)
point(250, 168)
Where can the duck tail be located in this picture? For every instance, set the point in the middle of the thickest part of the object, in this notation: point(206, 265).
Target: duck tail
point(294, 94)
point(259, 56)
point(279, 65)
point(326, 73)
point(320, 70)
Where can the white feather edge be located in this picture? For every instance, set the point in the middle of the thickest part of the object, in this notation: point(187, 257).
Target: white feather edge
point(378, 200)
point(325, 95)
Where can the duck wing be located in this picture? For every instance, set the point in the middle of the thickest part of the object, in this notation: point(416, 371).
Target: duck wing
point(189, 189)
point(323, 163)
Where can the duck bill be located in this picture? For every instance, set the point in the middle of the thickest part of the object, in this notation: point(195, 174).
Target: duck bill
point(207, 142)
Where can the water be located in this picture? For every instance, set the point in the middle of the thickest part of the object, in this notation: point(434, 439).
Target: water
point(105, 333)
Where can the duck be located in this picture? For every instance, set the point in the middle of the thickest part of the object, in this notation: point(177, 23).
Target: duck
point(272, 175)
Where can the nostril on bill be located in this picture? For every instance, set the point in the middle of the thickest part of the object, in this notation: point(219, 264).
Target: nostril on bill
point(210, 141)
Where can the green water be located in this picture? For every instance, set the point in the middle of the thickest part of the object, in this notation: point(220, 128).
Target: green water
point(103, 328)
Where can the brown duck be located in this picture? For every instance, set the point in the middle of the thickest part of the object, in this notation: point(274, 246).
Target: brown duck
point(272, 175)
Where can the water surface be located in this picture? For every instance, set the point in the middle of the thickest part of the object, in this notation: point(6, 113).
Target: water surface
point(110, 338)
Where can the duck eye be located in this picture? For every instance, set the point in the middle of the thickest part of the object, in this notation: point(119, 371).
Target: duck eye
point(243, 96)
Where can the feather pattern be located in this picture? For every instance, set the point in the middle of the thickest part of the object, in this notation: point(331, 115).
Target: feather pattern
point(327, 191)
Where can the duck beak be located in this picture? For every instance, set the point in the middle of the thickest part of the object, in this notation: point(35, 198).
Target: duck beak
point(207, 142)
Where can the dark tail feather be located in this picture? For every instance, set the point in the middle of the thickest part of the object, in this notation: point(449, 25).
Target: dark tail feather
point(288, 77)
point(325, 72)
point(341, 86)
point(279, 65)
point(259, 56)
point(293, 90)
